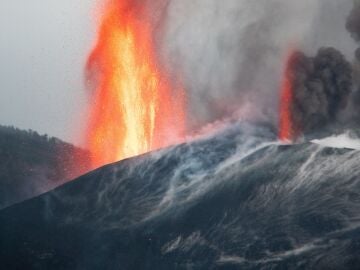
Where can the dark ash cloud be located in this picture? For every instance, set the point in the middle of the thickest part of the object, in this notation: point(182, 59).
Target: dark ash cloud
point(321, 88)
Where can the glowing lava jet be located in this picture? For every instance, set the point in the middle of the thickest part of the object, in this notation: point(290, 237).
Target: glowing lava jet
point(288, 129)
point(135, 109)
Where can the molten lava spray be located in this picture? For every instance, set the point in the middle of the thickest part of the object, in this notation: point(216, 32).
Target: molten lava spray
point(135, 109)
point(288, 130)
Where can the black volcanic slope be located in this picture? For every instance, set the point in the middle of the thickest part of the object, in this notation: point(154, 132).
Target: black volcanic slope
point(31, 164)
point(232, 201)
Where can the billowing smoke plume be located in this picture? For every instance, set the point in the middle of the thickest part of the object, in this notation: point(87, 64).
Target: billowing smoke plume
point(321, 86)
point(230, 52)
point(325, 85)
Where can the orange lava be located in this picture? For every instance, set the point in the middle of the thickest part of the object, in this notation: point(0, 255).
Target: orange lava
point(287, 129)
point(135, 108)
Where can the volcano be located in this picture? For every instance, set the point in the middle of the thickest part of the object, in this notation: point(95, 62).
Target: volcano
point(237, 199)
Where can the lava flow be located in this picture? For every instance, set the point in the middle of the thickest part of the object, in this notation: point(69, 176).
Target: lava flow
point(288, 131)
point(135, 108)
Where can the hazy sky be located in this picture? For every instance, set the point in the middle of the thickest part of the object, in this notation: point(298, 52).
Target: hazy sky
point(43, 47)
point(226, 49)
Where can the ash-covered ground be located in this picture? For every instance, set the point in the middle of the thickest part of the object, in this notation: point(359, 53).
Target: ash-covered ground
point(235, 200)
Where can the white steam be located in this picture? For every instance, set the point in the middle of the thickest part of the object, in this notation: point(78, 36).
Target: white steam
point(340, 141)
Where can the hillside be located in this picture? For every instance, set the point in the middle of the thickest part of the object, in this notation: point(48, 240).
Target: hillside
point(238, 200)
point(31, 164)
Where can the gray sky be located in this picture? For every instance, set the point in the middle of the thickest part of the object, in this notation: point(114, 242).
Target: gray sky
point(227, 50)
point(43, 47)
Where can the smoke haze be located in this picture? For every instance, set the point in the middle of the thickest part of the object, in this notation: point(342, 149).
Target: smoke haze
point(229, 55)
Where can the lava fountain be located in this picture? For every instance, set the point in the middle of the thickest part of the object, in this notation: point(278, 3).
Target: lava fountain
point(135, 108)
point(288, 130)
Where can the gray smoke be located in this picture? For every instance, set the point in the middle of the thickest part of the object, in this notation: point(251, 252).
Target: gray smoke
point(353, 26)
point(230, 54)
point(353, 22)
point(321, 87)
